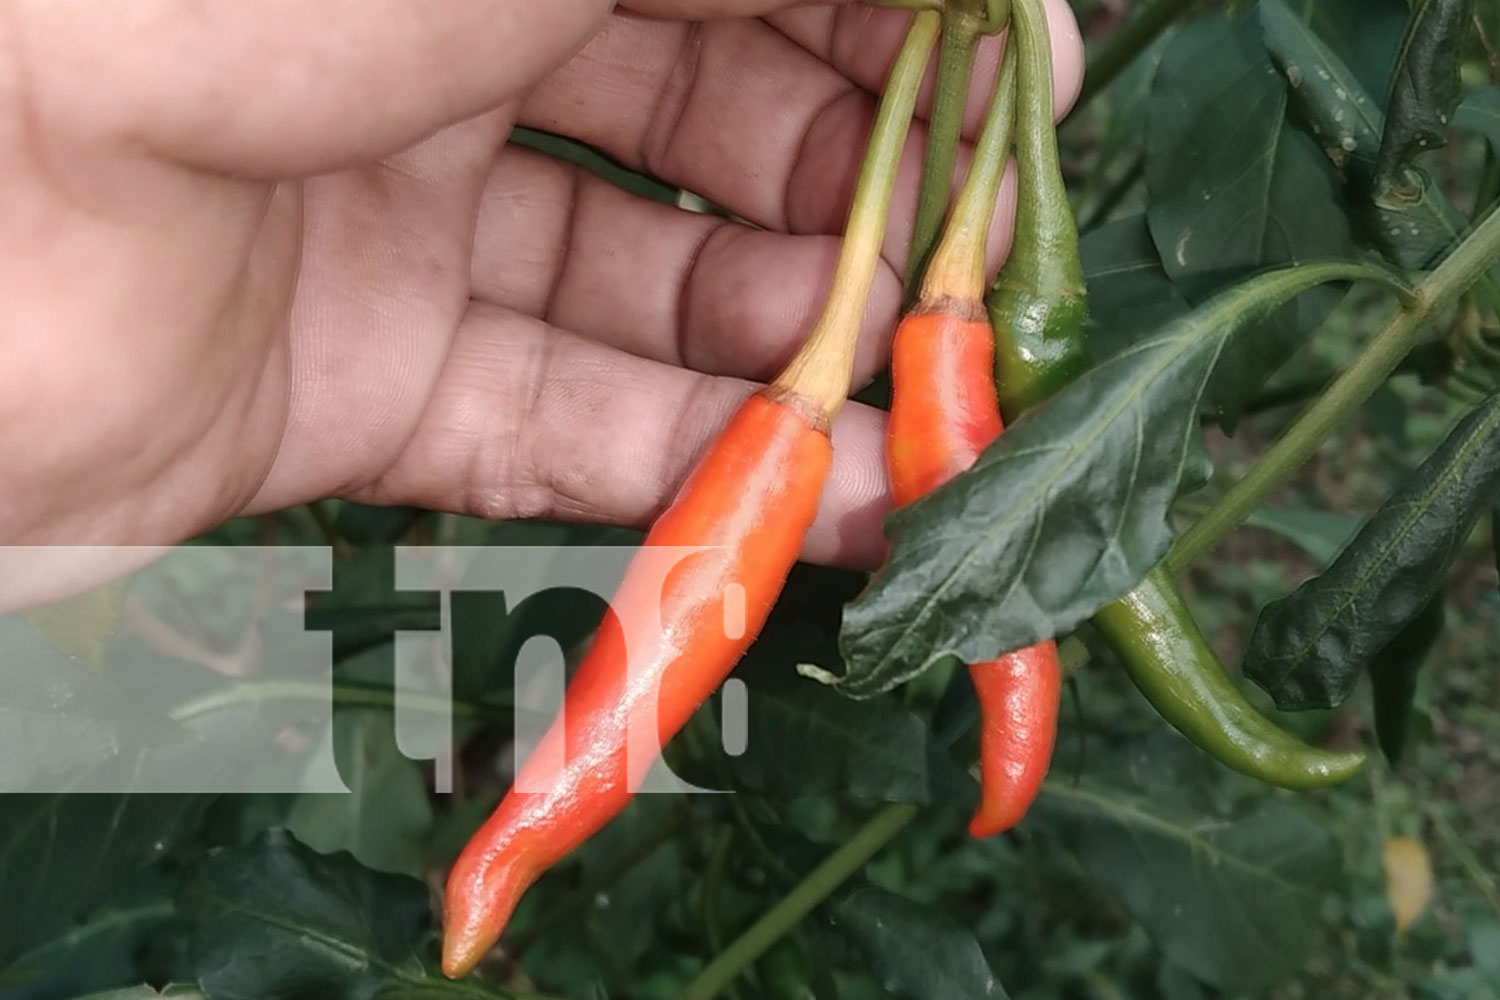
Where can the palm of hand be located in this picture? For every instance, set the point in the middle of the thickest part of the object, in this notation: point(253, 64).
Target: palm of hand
point(459, 324)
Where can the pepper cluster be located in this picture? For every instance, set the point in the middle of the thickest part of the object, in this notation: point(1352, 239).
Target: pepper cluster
point(964, 360)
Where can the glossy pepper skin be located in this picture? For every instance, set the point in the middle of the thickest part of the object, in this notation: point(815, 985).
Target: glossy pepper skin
point(1038, 303)
point(943, 414)
point(1156, 638)
point(751, 500)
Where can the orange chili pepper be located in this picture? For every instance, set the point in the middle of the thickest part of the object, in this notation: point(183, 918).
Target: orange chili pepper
point(663, 648)
point(753, 496)
point(944, 412)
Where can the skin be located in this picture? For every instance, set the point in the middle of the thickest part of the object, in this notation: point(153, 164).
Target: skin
point(276, 252)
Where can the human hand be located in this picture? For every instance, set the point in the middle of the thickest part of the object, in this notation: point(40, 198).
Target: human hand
point(261, 254)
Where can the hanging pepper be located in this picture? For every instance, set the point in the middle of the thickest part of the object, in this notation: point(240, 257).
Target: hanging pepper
point(663, 649)
point(1039, 301)
point(944, 412)
point(1165, 653)
point(1038, 305)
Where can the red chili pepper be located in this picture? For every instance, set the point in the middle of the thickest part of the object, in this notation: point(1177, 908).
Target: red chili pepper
point(753, 496)
point(944, 412)
point(664, 647)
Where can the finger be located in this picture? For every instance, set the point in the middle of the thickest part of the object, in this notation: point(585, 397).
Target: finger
point(721, 108)
point(281, 87)
point(859, 41)
point(736, 111)
point(732, 110)
point(702, 292)
point(699, 10)
point(528, 421)
point(382, 284)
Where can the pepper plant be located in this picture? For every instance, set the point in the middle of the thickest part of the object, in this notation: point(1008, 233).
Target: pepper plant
point(1219, 450)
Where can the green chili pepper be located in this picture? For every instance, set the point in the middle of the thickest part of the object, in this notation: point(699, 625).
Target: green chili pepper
point(1165, 653)
point(1039, 302)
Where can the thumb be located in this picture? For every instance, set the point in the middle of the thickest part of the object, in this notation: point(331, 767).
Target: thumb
point(281, 88)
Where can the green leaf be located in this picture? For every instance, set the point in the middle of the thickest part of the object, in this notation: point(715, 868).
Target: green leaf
point(385, 817)
point(1319, 533)
point(61, 855)
point(619, 933)
point(804, 739)
point(1412, 229)
point(1394, 674)
point(65, 724)
point(1229, 201)
point(1480, 113)
point(100, 951)
point(1308, 649)
point(1066, 512)
point(912, 951)
point(1424, 90)
point(1363, 34)
point(1129, 291)
point(1495, 535)
point(1230, 894)
point(147, 993)
point(275, 921)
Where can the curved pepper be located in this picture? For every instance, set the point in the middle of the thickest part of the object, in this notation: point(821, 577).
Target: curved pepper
point(1166, 655)
point(944, 412)
point(751, 500)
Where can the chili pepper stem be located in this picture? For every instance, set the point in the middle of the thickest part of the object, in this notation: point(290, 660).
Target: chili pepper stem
point(956, 52)
point(821, 372)
point(957, 267)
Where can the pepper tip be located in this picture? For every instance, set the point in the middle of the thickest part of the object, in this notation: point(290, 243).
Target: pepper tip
point(990, 824)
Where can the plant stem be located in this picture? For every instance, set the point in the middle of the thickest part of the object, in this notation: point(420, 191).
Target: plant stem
point(957, 266)
point(821, 371)
point(944, 128)
point(1127, 43)
point(1347, 393)
point(816, 887)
